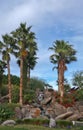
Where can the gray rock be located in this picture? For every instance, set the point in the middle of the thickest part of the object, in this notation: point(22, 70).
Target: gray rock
point(8, 123)
point(74, 117)
point(81, 108)
point(64, 116)
point(52, 123)
point(24, 111)
point(59, 109)
point(18, 113)
point(46, 101)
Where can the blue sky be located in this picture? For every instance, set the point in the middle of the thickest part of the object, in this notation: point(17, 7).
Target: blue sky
point(51, 20)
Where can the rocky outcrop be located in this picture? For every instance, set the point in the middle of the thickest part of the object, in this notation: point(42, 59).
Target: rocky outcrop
point(49, 108)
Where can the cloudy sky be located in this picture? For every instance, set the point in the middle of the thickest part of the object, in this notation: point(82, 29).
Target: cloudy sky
point(51, 20)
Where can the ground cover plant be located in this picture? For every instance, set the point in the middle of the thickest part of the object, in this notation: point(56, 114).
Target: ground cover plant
point(32, 127)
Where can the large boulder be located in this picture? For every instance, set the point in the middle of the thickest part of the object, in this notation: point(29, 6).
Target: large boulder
point(74, 117)
point(59, 109)
point(35, 112)
point(46, 101)
point(18, 113)
point(49, 112)
point(25, 110)
point(64, 116)
point(8, 123)
point(80, 108)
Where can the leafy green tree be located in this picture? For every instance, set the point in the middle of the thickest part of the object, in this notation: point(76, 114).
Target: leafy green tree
point(15, 80)
point(6, 51)
point(78, 79)
point(37, 83)
point(24, 41)
point(63, 54)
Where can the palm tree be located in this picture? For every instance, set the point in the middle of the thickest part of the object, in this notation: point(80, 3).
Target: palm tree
point(63, 54)
point(6, 51)
point(24, 40)
point(3, 66)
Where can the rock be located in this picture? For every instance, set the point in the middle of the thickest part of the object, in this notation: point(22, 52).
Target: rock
point(49, 112)
point(64, 116)
point(80, 108)
point(40, 96)
point(8, 123)
point(46, 101)
point(74, 117)
point(52, 123)
point(18, 113)
point(25, 111)
point(77, 123)
point(47, 94)
point(59, 109)
point(35, 112)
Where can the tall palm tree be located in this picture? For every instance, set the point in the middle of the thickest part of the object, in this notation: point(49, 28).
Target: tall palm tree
point(63, 54)
point(6, 51)
point(3, 66)
point(24, 40)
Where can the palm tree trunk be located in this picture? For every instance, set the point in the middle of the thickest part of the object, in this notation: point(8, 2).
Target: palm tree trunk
point(28, 77)
point(24, 74)
point(9, 83)
point(61, 79)
point(21, 81)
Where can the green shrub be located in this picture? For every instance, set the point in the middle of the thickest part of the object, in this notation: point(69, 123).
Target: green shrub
point(34, 121)
point(63, 123)
point(15, 94)
point(7, 111)
point(29, 96)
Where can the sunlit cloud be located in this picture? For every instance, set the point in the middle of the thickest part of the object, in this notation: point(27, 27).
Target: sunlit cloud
point(50, 20)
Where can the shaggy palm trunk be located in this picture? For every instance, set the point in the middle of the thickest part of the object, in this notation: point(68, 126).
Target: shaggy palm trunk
point(61, 79)
point(28, 77)
point(21, 81)
point(1, 77)
point(9, 83)
point(24, 74)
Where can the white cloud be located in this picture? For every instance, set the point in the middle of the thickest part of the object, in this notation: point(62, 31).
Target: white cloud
point(63, 18)
point(54, 85)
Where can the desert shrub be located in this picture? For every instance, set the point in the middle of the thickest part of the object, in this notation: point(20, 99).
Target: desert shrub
point(4, 90)
point(15, 94)
point(80, 94)
point(34, 121)
point(63, 123)
point(7, 111)
point(29, 96)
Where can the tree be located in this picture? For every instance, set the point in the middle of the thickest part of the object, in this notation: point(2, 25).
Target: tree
point(24, 41)
point(2, 67)
point(6, 51)
point(63, 54)
point(77, 79)
point(28, 65)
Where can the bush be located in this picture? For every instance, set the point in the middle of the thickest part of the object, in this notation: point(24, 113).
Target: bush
point(15, 94)
point(29, 96)
point(34, 121)
point(7, 111)
point(63, 123)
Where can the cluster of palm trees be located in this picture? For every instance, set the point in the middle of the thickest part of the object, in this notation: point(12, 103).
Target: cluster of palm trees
point(21, 43)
